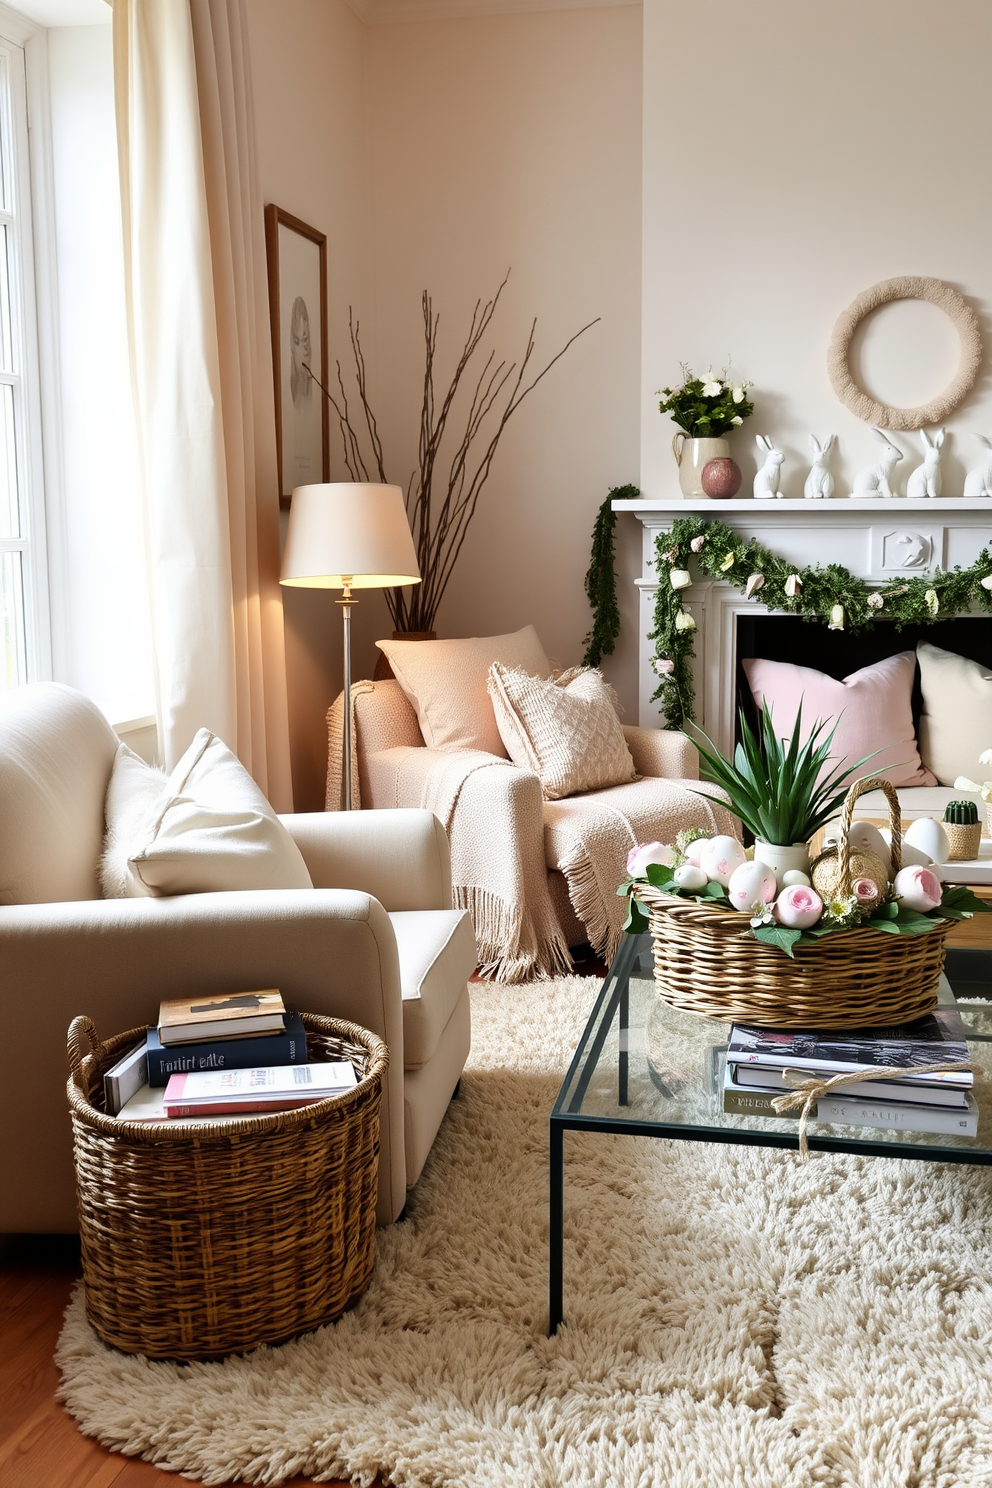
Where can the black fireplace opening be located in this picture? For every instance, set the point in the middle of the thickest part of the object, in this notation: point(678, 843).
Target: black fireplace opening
point(838, 653)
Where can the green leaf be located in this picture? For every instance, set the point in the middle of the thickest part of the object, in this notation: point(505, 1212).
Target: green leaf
point(887, 911)
point(960, 897)
point(659, 876)
point(637, 921)
point(778, 935)
point(713, 890)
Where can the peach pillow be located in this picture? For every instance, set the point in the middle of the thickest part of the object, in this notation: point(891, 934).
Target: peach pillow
point(873, 706)
point(446, 681)
point(956, 723)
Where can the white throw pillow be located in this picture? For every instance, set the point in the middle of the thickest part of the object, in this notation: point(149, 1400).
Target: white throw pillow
point(956, 722)
point(207, 827)
point(565, 729)
point(446, 683)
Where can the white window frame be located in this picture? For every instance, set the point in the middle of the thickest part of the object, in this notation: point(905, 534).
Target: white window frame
point(25, 46)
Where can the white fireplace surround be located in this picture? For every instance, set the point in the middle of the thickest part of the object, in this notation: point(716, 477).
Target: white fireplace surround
point(876, 540)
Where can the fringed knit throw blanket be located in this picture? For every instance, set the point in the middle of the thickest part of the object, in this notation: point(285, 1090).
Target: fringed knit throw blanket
point(504, 837)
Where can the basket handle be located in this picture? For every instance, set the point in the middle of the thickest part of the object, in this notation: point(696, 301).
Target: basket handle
point(79, 1029)
point(860, 788)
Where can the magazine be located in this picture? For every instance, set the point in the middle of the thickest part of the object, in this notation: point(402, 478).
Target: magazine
point(937, 1038)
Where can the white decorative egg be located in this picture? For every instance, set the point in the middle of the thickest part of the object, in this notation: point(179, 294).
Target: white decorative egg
point(720, 857)
point(694, 852)
point(793, 877)
point(911, 856)
point(751, 883)
point(863, 837)
point(918, 888)
point(929, 836)
point(690, 877)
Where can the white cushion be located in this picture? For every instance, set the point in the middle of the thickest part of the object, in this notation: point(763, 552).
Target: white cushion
point(565, 729)
point(956, 722)
point(437, 956)
point(206, 828)
point(446, 683)
point(56, 754)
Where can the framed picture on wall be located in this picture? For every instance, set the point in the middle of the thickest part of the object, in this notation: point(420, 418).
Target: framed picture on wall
point(297, 264)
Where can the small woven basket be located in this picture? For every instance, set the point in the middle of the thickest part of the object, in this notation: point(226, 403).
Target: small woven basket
point(706, 962)
point(202, 1239)
point(965, 840)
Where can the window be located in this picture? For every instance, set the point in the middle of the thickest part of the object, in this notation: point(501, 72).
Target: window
point(23, 585)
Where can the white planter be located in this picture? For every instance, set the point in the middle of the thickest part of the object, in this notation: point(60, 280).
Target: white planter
point(782, 860)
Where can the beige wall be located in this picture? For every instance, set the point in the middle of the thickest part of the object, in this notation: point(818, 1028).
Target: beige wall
point(436, 155)
point(833, 146)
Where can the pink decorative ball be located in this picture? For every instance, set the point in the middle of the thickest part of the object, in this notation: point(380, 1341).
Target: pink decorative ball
point(721, 477)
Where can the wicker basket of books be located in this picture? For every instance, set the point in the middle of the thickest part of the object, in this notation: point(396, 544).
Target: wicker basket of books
point(202, 1238)
point(851, 940)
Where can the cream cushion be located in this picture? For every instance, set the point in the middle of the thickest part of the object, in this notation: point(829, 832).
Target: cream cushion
point(56, 754)
point(564, 729)
point(207, 827)
point(437, 957)
point(956, 722)
point(446, 681)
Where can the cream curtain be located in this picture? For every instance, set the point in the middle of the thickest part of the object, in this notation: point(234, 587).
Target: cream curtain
point(201, 368)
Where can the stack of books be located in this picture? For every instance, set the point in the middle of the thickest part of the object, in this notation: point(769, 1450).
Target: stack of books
point(222, 1056)
point(941, 1102)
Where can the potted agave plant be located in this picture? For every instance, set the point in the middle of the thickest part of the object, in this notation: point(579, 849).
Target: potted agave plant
point(781, 789)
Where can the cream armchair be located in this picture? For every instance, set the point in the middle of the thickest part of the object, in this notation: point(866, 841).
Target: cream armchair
point(375, 941)
point(537, 876)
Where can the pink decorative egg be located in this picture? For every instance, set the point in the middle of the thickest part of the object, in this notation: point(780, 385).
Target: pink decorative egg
point(720, 857)
point(918, 888)
point(750, 884)
point(798, 906)
point(721, 477)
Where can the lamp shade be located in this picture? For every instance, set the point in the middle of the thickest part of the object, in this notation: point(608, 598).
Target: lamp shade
point(349, 532)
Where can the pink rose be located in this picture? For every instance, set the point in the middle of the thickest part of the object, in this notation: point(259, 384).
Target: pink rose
point(649, 852)
point(918, 888)
point(798, 907)
point(865, 891)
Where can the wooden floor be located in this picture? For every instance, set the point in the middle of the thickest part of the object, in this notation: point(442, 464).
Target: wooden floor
point(40, 1446)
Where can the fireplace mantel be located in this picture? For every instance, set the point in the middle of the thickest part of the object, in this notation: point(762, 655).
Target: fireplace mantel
point(877, 540)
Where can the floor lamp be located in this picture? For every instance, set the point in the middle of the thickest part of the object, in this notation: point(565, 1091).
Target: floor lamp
point(348, 536)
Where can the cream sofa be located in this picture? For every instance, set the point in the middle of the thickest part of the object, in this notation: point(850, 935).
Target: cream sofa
point(375, 941)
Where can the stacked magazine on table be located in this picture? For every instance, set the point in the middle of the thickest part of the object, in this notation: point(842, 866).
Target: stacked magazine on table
point(940, 1102)
point(222, 1056)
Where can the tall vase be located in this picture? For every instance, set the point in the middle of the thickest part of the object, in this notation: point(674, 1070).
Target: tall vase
point(781, 859)
point(691, 455)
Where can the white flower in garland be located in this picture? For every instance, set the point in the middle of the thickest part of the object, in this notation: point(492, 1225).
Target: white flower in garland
point(664, 666)
point(680, 578)
point(793, 586)
point(671, 556)
point(697, 543)
point(986, 583)
point(837, 618)
point(933, 603)
point(684, 621)
point(728, 562)
point(875, 601)
point(754, 583)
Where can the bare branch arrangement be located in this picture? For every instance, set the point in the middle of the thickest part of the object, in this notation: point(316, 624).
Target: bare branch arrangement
point(441, 502)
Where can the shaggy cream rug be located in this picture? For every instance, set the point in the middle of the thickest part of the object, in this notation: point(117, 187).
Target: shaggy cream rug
point(734, 1318)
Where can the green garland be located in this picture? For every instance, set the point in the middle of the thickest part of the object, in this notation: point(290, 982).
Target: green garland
point(601, 580)
point(826, 594)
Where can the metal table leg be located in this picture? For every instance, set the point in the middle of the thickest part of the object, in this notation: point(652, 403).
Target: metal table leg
point(556, 1235)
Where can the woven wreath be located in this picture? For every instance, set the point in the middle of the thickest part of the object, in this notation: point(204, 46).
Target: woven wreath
point(906, 287)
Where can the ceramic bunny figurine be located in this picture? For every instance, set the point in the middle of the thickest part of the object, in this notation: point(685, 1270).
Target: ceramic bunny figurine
point(978, 482)
point(925, 479)
point(819, 483)
point(766, 481)
point(874, 479)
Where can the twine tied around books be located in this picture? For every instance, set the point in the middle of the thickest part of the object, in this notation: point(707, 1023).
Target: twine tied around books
point(807, 1088)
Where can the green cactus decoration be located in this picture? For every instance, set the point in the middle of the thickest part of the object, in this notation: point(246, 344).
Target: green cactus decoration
point(961, 813)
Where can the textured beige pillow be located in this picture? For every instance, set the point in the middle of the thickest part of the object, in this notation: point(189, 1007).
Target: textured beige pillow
point(206, 827)
point(565, 730)
point(446, 683)
point(956, 722)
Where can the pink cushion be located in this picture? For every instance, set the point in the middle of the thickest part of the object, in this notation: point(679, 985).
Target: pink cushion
point(873, 706)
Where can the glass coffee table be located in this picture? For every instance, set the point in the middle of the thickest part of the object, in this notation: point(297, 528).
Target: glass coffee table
point(644, 1069)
